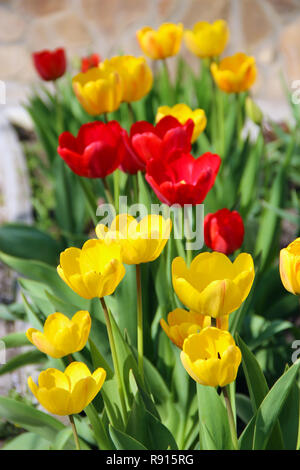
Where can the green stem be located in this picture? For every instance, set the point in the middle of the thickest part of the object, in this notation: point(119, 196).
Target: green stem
point(239, 118)
point(116, 177)
point(131, 113)
point(76, 439)
point(140, 340)
point(188, 235)
point(230, 418)
point(107, 191)
point(92, 205)
point(60, 121)
point(105, 118)
point(114, 358)
point(220, 102)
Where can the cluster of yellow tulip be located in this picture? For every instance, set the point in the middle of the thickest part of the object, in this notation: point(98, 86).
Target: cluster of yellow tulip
point(119, 79)
point(212, 287)
point(126, 78)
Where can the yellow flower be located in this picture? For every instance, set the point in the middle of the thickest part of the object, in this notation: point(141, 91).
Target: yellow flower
point(69, 392)
point(140, 242)
point(289, 267)
point(235, 73)
point(182, 113)
point(181, 324)
point(62, 336)
point(163, 43)
point(213, 285)
point(98, 91)
point(207, 40)
point(136, 75)
point(94, 271)
point(211, 357)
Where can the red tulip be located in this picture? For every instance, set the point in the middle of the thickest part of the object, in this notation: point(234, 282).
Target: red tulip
point(130, 163)
point(89, 62)
point(50, 64)
point(224, 231)
point(147, 141)
point(182, 179)
point(95, 152)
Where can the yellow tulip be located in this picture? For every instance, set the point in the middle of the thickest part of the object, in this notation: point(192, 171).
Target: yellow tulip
point(207, 40)
point(62, 336)
point(211, 357)
point(94, 271)
point(136, 75)
point(181, 324)
point(213, 285)
point(289, 267)
point(183, 113)
point(163, 43)
point(235, 73)
point(140, 242)
point(98, 91)
point(69, 392)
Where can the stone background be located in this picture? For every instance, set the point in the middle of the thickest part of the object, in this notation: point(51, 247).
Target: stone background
point(268, 29)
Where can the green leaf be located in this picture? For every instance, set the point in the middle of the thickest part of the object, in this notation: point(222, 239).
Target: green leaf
point(213, 420)
point(99, 431)
point(15, 340)
point(30, 418)
point(243, 408)
point(43, 273)
point(27, 441)
point(124, 442)
point(289, 418)
point(271, 406)
point(25, 241)
point(21, 360)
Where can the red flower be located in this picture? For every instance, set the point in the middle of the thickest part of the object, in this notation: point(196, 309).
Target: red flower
point(147, 141)
point(130, 163)
point(224, 231)
point(50, 64)
point(95, 152)
point(90, 61)
point(182, 179)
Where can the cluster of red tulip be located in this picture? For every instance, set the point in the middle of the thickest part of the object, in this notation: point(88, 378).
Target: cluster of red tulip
point(162, 152)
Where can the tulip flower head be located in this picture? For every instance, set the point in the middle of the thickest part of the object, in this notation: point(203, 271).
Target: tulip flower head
point(224, 231)
point(61, 335)
point(95, 152)
point(211, 357)
point(213, 285)
point(136, 75)
point(235, 73)
point(147, 141)
point(181, 179)
point(181, 324)
point(289, 267)
point(140, 242)
point(183, 113)
point(160, 44)
point(94, 271)
point(207, 40)
point(90, 62)
point(69, 392)
point(98, 91)
point(50, 65)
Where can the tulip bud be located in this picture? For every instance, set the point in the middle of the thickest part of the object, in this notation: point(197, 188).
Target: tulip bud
point(253, 111)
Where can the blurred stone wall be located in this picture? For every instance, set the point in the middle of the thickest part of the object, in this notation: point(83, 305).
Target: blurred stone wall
point(268, 29)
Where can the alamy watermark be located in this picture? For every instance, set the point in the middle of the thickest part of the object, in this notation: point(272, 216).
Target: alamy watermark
point(187, 220)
